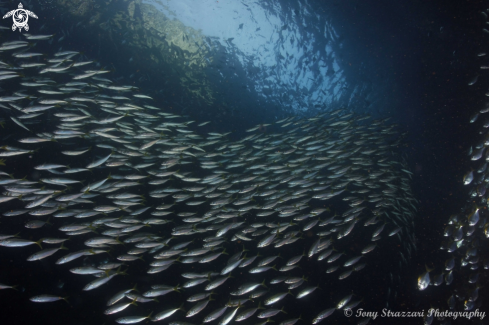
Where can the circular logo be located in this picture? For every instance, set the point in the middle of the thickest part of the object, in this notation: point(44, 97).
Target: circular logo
point(20, 17)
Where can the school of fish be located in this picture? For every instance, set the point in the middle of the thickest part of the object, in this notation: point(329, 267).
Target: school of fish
point(147, 185)
point(466, 231)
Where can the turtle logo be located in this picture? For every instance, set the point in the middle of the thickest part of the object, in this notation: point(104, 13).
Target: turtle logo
point(20, 17)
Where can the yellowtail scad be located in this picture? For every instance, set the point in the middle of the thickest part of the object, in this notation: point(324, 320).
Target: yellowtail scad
point(243, 220)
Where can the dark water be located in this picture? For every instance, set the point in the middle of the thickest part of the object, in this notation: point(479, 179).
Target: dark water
point(412, 58)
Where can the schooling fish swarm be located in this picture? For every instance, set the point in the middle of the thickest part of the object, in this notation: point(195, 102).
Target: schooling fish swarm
point(170, 197)
point(467, 230)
